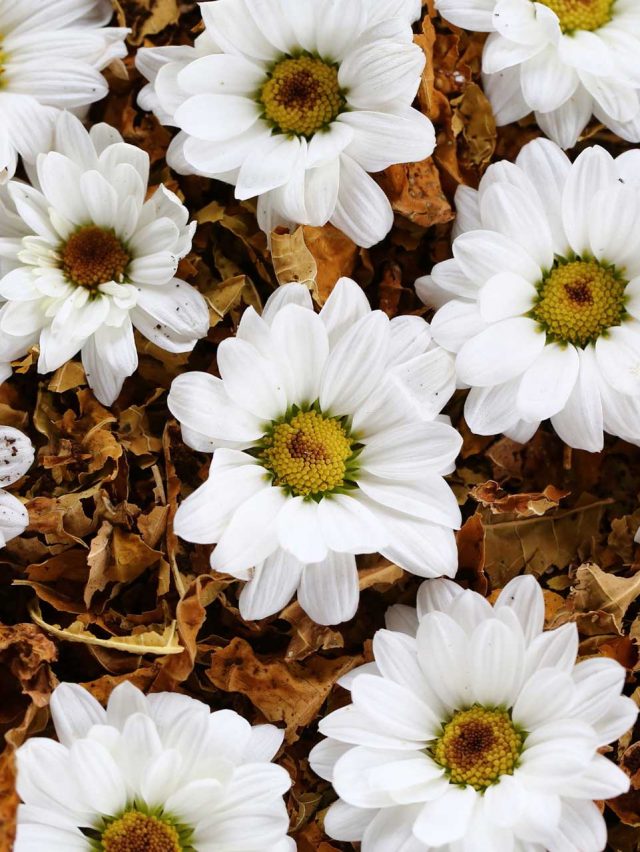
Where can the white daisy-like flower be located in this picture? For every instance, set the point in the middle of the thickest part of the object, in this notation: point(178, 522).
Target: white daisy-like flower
point(156, 773)
point(51, 55)
point(541, 301)
point(92, 260)
point(327, 444)
point(296, 101)
point(475, 731)
point(566, 60)
point(16, 457)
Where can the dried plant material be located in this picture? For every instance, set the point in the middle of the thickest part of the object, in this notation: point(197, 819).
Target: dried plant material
point(292, 260)
point(533, 545)
point(594, 589)
point(416, 193)
point(146, 642)
point(335, 256)
point(523, 505)
point(283, 692)
point(8, 799)
point(146, 17)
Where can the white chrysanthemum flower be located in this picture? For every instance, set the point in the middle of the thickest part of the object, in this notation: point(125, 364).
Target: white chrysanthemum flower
point(51, 55)
point(541, 301)
point(327, 444)
point(16, 457)
point(566, 60)
point(91, 260)
point(474, 731)
point(156, 773)
point(296, 101)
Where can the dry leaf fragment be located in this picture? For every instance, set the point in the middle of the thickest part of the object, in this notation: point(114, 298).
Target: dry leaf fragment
point(146, 642)
point(532, 545)
point(335, 255)
point(292, 693)
point(595, 590)
point(292, 260)
point(490, 494)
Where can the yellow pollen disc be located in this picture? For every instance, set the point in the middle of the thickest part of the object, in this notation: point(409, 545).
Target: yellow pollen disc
point(309, 454)
point(478, 746)
point(579, 301)
point(302, 95)
point(93, 256)
point(581, 14)
point(138, 832)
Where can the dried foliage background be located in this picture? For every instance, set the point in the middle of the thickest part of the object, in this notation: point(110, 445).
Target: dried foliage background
point(99, 589)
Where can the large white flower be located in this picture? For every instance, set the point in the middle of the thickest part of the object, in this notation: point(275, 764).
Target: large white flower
point(16, 457)
point(159, 773)
point(564, 59)
point(51, 55)
point(296, 101)
point(92, 259)
point(474, 731)
point(541, 301)
point(327, 444)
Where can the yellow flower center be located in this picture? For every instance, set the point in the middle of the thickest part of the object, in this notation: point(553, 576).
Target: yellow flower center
point(478, 746)
point(581, 14)
point(578, 301)
point(308, 454)
point(138, 832)
point(302, 95)
point(93, 256)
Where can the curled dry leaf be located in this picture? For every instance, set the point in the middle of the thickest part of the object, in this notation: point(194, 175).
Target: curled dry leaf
point(144, 642)
point(490, 494)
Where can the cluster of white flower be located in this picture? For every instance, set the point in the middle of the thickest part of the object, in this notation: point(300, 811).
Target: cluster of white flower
point(473, 730)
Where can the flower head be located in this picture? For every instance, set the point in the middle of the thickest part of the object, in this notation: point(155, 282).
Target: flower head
point(51, 55)
point(564, 59)
point(159, 773)
point(90, 259)
point(540, 302)
point(474, 729)
point(16, 457)
point(296, 101)
point(327, 444)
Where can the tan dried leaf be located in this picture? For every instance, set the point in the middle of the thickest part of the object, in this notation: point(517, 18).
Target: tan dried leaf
point(146, 642)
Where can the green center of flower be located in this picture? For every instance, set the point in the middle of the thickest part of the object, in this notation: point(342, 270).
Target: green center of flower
point(93, 256)
point(579, 300)
point(581, 14)
point(477, 746)
point(302, 95)
point(309, 454)
point(135, 831)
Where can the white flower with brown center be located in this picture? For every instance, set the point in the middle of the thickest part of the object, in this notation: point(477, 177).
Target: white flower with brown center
point(566, 60)
point(475, 731)
point(296, 101)
point(327, 443)
point(90, 259)
point(156, 773)
point(51, 56)
point(540, 303)
point(16, 457)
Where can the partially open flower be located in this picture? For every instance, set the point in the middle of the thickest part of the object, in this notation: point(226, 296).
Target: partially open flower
point(564, 59)
point(541, 302)
point(159, 773)
point(51, 55)
point(327, 444)
point(296, 101)
point(90, 259)
point(474, 731)
point(16, 457)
